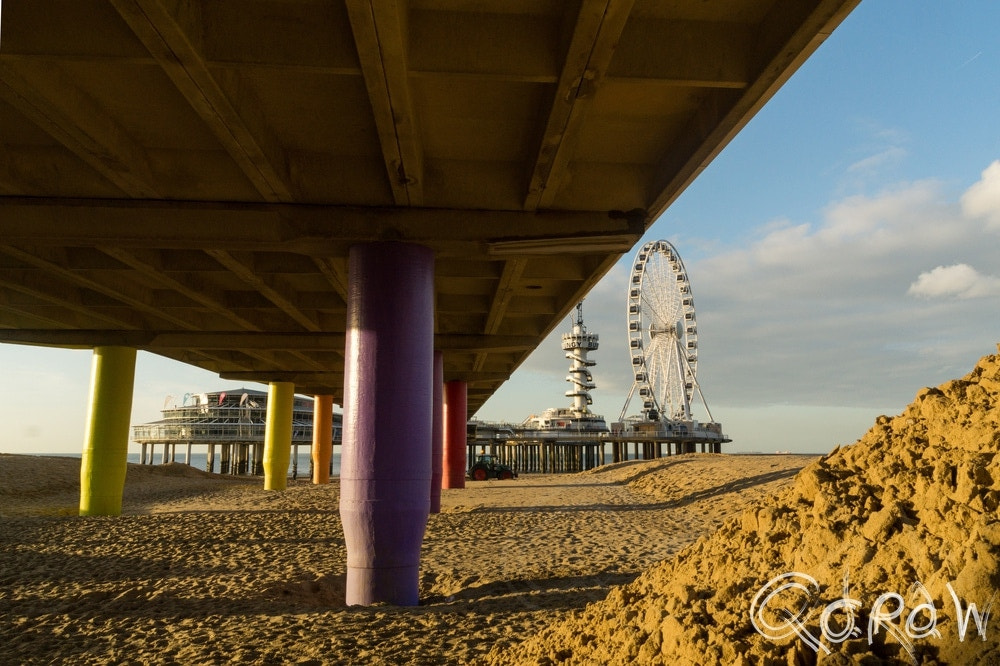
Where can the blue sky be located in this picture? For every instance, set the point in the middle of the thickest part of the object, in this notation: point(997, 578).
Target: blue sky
point(842, 252)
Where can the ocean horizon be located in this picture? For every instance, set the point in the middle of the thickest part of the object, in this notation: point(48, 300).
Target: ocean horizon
point(299, 465)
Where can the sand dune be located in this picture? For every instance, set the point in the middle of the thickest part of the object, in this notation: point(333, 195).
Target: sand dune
point(883, 552)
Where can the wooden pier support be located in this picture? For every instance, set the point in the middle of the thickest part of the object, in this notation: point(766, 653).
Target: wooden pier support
point(555, 456)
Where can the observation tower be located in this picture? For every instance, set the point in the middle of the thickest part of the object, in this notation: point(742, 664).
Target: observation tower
point(576, 345)
point(577, 418)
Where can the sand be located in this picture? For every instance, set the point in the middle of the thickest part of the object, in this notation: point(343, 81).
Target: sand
point(886, 551)
point(202, 568)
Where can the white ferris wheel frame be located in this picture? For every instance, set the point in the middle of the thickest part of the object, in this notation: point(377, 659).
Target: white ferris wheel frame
point(662, 333)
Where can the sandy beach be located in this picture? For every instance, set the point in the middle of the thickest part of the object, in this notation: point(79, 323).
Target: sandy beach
point(203, 568)
point(884, 551)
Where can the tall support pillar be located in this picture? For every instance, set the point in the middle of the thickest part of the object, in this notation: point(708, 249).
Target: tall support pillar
point(437, 432)
point(278, 435)
point(322, 444)
point(105, 452)
point(386, 456)
point(456, 419)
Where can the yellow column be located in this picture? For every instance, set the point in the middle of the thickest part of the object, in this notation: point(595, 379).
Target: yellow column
point(322, 443)
point(105, 451)
point(278, 435)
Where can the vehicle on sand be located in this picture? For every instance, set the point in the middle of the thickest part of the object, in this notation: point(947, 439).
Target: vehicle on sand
point(488, 467)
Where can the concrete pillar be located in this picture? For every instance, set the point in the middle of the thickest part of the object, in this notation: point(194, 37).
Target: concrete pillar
point(386, 454)
point(278, 434)
point(437, 432)
point(456, 419)
point(322, 444)
point(105, 451)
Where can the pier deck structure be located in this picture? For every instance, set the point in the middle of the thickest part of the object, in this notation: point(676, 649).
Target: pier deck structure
point(246, 187)
point(554, 451)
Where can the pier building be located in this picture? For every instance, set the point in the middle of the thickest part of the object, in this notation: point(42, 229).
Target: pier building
point(229, 425)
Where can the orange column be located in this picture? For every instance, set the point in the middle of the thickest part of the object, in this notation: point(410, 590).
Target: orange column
point(322, 444)
point(456, 418)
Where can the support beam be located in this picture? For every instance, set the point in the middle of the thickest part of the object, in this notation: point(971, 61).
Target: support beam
point(242, 267)
point(386, 455)
point(322, 444)
point(278, 435)
point(792, 33)
point(155, 341)
point(105, 451)
point(513, 269)
point(379, 33)
point(55, 103)
point(312, 231)
point(595, 36)
point(231, 115)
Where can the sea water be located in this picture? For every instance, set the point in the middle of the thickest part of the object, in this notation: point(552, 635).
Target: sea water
point(300, 466)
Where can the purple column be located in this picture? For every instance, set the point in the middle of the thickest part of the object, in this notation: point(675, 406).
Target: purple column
point(386, 459)
point(437, 433)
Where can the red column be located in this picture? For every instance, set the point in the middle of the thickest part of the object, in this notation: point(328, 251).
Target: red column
point(386, 458)
point(437, 432)
point(322, 444)
point(456, 418)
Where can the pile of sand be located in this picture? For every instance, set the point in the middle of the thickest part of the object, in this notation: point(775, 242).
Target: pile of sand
point(909, 510)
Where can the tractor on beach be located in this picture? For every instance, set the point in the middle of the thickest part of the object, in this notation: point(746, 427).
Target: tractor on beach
point(488, 467)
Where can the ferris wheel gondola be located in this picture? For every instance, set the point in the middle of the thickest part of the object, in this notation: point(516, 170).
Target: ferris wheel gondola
point(662, 334)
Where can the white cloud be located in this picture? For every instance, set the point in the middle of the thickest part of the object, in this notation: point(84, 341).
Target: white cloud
point(959, 280)
point(889, 156)
point(815, 313)
point(982, 200)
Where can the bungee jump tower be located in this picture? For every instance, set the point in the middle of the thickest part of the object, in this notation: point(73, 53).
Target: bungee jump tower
point(577, 344)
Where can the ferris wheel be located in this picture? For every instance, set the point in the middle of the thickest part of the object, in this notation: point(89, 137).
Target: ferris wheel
point(662, 334)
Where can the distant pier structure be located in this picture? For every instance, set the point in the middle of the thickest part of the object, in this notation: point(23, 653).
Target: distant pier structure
point(662, 336)
point(228, 425)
